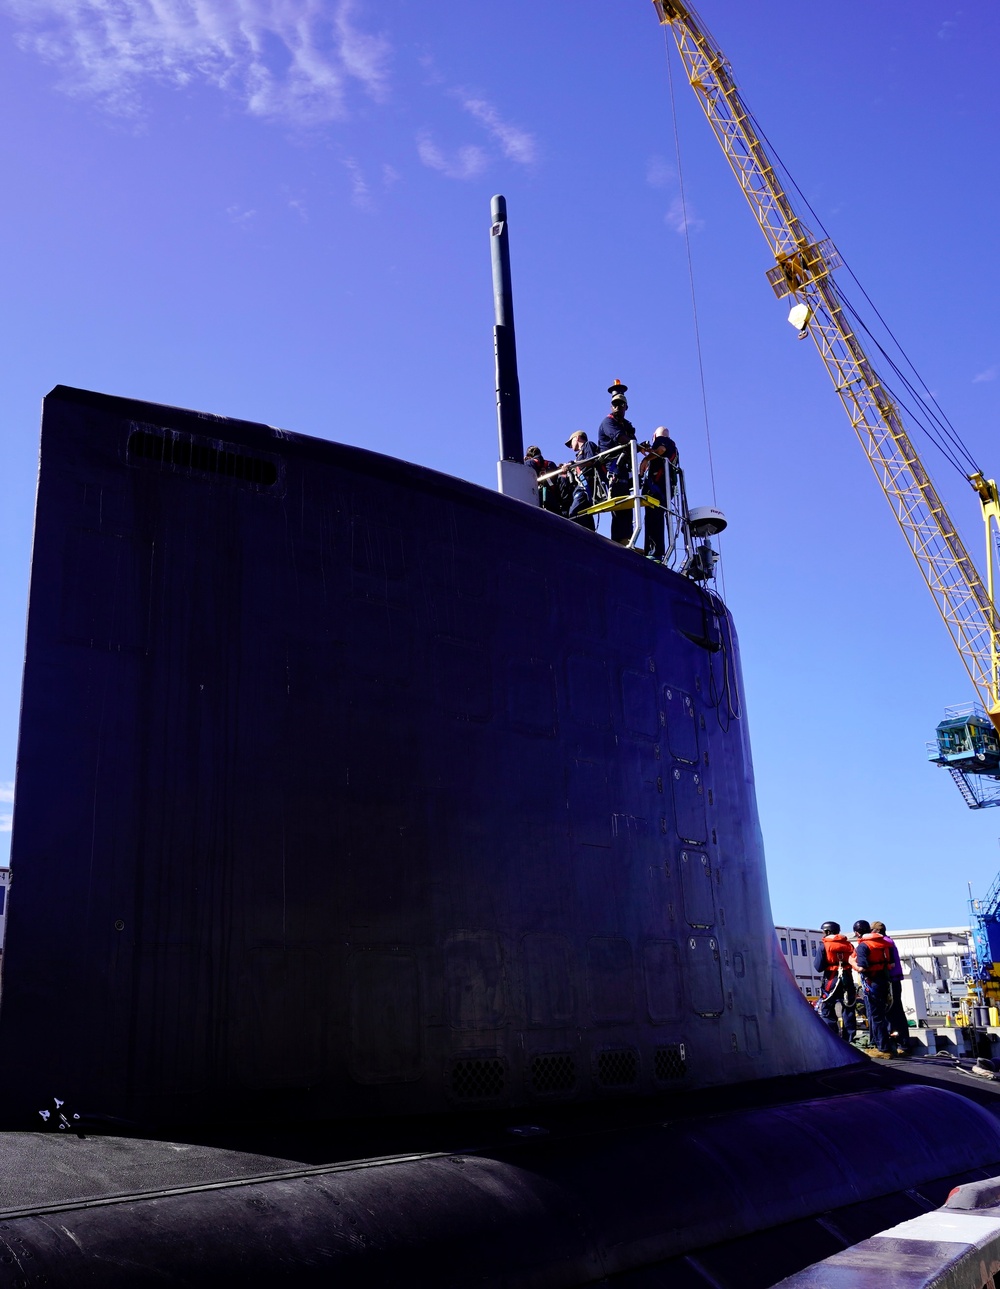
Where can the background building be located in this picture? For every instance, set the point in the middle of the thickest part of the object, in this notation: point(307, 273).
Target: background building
point(936, 963)
point(938, 959)
point(798, 947)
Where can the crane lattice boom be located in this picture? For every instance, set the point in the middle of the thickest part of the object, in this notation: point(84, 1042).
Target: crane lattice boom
point(802, 270)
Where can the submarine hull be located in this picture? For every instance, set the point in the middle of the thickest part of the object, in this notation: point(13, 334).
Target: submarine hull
point(389, 901)
point(725, 1201)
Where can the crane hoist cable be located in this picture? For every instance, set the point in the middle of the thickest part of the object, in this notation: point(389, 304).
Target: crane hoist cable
point(956, 450)
point(924, 410)
point(945, 437)
point(929, 403)
point(803, 271)
point(949, 445)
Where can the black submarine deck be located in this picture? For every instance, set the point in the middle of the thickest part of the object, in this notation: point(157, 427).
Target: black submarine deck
point(719, 1188)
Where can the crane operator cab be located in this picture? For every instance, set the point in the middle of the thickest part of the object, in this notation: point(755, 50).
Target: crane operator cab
point(967, 740)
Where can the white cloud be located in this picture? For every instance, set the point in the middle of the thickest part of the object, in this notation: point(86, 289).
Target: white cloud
point(360, 192)
point(364, 56)
point(516, 144)
point(6, 792)
point(681, 219)
point(947, 29)
point(431, 74)
point(239, 216)
point(989, 374)
point(290, 60)
point(464, 163)
point(6, 822)
point(470, 160)
point(659, 173)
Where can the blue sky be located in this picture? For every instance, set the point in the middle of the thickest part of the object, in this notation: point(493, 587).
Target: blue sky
point(278, 209)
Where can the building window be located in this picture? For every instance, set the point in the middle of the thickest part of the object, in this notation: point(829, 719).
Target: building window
point(812, 947)
point(803, 948)
point(795, 948)
point(784, 946)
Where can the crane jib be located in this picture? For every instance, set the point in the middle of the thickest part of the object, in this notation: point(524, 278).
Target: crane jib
point(802, 270)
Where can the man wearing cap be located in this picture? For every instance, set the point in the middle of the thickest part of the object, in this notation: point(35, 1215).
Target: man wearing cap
point(583, 480)
point(553, 493)
point(615, 431)
point(656, 476)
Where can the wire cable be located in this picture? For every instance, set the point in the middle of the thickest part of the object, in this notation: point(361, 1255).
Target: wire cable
point(928, 403)
point(912, 396)
point(694, 300)
point(938, 431)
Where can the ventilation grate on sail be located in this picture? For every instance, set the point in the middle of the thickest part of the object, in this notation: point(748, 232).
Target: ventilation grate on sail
point(669, 1063)
point(478, 1078)
point(617, 1067)
point(553, 1073)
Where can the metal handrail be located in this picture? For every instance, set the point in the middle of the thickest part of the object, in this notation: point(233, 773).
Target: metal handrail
point(674, 508)
point(594, 460)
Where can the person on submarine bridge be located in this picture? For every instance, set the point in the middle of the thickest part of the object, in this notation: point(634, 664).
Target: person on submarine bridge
point(615, 431)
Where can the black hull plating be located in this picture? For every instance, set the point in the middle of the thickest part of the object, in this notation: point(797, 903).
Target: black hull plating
point(370, 790)
point(683, 1200)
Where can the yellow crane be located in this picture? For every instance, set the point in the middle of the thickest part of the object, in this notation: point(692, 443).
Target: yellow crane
point(802, 271)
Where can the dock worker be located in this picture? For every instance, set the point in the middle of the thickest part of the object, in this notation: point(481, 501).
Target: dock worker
point(582, 480)
point(553, 493)
point(616, 431)
point(833, 962)
point(899, 1029)
point(871, 959)
point(656, 478)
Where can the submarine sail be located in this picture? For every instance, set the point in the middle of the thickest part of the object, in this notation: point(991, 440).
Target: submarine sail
point(318, 794)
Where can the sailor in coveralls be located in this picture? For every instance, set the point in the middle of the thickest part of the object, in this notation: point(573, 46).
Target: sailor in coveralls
point(872, 959)
point(584, 482)
point(614, 431)
point(657, 480)
point(899, 1029)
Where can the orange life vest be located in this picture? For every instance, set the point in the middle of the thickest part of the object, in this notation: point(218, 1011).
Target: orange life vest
point(838, 951)
point(879, 955)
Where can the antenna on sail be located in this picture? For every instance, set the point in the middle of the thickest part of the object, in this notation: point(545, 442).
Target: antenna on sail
point(514, 478)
